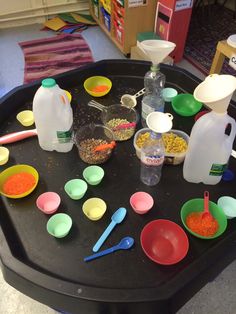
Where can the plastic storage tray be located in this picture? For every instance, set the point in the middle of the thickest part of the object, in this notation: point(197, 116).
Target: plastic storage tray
point(51, 270)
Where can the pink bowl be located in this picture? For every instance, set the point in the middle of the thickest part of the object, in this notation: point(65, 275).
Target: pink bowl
point(48, 202)
point(141, 202)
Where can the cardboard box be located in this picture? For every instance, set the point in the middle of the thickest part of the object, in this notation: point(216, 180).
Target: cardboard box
point(139, 54)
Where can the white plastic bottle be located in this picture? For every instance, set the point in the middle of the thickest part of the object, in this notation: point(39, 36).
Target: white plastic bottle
point(53, 117)
point(209, 148)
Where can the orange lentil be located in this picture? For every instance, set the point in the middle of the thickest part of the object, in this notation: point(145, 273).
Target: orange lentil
point(204, 226)
point(19, 183)
point(99, 88)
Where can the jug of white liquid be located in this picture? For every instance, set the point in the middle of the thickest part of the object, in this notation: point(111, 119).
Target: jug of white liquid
point(53, 117)
point(210, 146)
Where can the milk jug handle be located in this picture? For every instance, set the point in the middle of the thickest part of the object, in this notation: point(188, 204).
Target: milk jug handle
point(233, 130)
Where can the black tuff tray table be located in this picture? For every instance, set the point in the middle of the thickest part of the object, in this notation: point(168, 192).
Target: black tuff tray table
point(52, 270)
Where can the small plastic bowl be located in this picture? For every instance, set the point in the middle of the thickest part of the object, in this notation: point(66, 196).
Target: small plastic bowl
point(200, 114)
point(164, 242)
point(141, 202)
point(90, 136)
point(94, 82)
point(48, 202)
point(170, 158)
point(197, 205)
point(228, 205)
point(4, 155)
point(186, 105)
point(59, 225)
point(76, 188)
point(18, 169)
point(26, 117)
point(93, 174)
point(169, 93)
point(94, 208)
point(68, 94)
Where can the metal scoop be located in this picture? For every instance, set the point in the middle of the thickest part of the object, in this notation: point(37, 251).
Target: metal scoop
point(95, 104)
point(130, 100)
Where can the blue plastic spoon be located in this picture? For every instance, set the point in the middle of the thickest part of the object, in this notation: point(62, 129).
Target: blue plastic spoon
point(116, 218)
point(125, 244)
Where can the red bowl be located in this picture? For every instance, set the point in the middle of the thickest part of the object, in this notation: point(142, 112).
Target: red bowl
point(164, 242)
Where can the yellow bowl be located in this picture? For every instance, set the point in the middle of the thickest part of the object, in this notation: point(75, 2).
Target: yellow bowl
point(4, 155)
point(95, 81)
point(4, 175)
point(94, 208)
point(25, 117)
point(68, 94)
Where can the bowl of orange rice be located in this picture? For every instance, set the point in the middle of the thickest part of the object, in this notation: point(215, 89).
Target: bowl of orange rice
point(18, 181)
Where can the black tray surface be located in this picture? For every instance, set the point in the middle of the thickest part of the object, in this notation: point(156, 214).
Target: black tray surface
point(56, 266)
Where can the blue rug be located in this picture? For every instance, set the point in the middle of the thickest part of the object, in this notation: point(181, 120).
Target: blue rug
point(206, 29)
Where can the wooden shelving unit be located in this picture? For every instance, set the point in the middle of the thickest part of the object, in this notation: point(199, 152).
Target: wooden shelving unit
point(134, 20)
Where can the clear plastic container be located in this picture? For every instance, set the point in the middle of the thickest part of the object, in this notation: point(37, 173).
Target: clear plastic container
point(120, 119)
point(91, 136)
point(53, 117)
point(170, 158)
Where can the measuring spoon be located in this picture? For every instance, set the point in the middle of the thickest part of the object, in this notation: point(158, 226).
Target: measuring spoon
point(206, 213)
point(130, 101)
point(116, 218)
point(125, 244)
point(105, 146)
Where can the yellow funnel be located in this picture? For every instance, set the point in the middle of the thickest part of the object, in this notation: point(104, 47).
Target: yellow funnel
point(216, 91)
point(157, 49)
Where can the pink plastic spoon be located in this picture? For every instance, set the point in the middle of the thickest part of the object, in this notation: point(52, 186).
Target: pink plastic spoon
point(125, 126)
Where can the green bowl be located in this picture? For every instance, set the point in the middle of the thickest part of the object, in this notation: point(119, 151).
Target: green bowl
point(59, 225)
point(186, 105)
point(197, 205)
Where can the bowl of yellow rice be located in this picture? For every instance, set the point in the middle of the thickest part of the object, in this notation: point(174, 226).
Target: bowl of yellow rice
point(175, 142)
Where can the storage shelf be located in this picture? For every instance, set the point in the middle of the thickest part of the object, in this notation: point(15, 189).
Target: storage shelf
point(136, 19)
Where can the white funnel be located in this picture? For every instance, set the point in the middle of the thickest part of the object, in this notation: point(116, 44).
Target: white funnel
point(159, 122)
point(216, 91)
point(157, 49)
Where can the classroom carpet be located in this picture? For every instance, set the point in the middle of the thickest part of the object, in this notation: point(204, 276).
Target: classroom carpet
point(50, 56)
point(207, 27)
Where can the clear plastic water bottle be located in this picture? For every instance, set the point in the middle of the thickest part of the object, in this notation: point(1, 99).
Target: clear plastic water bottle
point(152, 159)
point(154, 82)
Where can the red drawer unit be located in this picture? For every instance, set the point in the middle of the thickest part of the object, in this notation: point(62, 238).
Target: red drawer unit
point(119, 32)
point(120, 10)
point(172, 23)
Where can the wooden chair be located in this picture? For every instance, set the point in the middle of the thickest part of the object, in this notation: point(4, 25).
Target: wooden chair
point(222, 50)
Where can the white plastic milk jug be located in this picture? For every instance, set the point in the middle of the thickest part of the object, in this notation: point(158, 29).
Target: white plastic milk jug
point(53, 117)
point(209, 146)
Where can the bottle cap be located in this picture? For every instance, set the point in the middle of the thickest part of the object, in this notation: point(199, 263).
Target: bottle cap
point(48, 82)
point(228, 175)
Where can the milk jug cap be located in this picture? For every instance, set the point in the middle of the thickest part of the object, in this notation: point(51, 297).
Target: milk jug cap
point(48, 82)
